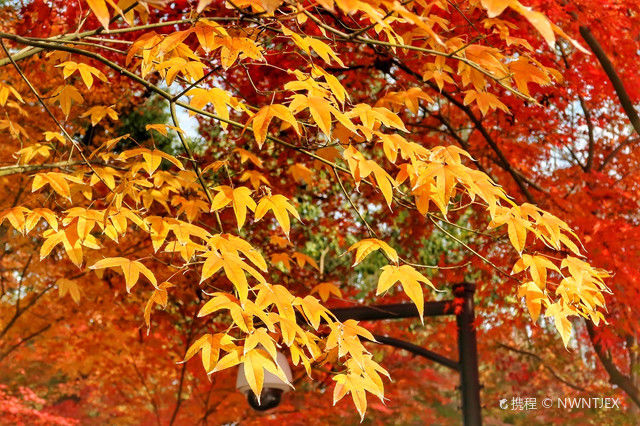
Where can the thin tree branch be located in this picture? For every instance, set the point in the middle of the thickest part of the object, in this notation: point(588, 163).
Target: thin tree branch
point(370, 230)
point(628, 141)
point(609, 69)
point(27, 168)
point(25, 340)
point(154, 403)
point(193, 161)
point(503, 162)
point(53, 117)
point(542, 362)
point(69, 37)
point(19, 313)
point(587, 116)
point(183, 370)
point(615, 375)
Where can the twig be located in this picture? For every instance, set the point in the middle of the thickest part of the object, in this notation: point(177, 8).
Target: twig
point(37, 95)
point(466, 246)
point(372, 233)
point(539, 359)
point(193, 161)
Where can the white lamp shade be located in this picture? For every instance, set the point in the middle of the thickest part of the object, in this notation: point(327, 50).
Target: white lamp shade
point(270, 380)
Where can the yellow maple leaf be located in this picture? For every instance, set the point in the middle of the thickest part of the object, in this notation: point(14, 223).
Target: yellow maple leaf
point(302, 259)
point(65, 96)
point(261, 120)
point(57, 182)
point(559, 313)
point(276, 295)
point(368, 245)
point(97, 113)
point(68, 286)
point(254, 364)
point(207, 30)
point(237, 47)
point(248, 156)
point(41, 213)
point(279, 241)
point(517, 225)
point(326, 289)
point(301, 173)
point(537, 266)
point(235, 244)
point(227, 301)
point(99, 9)
point(86, 72)
point(71, 242)
point(210, 347)
point(152, 158)
point(279, 205)
point(281, 258)
point(486, 101)
point(261, 339)
point(220, 99)
point(54, 135)
point(353, 384)
point(255, 178)
point(131, 270)
point(162, 128)
point(16, 217)
point(523, 72)
point(159, 297)
point(215, 166)
point(239, 198)
point(234, 269)
point(313, 310)
point(410, 280)
point(361, 168)
point(534, 297)
point(30, 152)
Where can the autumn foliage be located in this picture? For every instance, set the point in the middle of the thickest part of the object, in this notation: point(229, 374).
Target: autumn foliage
point(189, 187)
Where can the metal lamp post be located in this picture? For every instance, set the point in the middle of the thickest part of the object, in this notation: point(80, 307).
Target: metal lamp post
point(466, 365)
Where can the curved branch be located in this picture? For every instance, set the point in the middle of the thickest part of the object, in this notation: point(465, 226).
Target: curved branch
point(592, 143)
point(503, 162)
point(616, 150)
point(27, 168)
point(539, 359)
point(615, 375)
point(25, 340)
point(618, 85)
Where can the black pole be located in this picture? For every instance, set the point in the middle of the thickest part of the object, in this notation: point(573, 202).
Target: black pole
point(468, 356)
point(467, 364)
point(392, 311)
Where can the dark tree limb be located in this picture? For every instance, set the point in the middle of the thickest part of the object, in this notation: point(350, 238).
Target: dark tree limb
point(541, 361)
point(19, 312)
point(502, 160)
point(152, 399)
point(592, 143)
point(616, 150)
point(24, 340)
point(463, 143)
point(183, 370)
point(616, 377)
point(613, 76)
